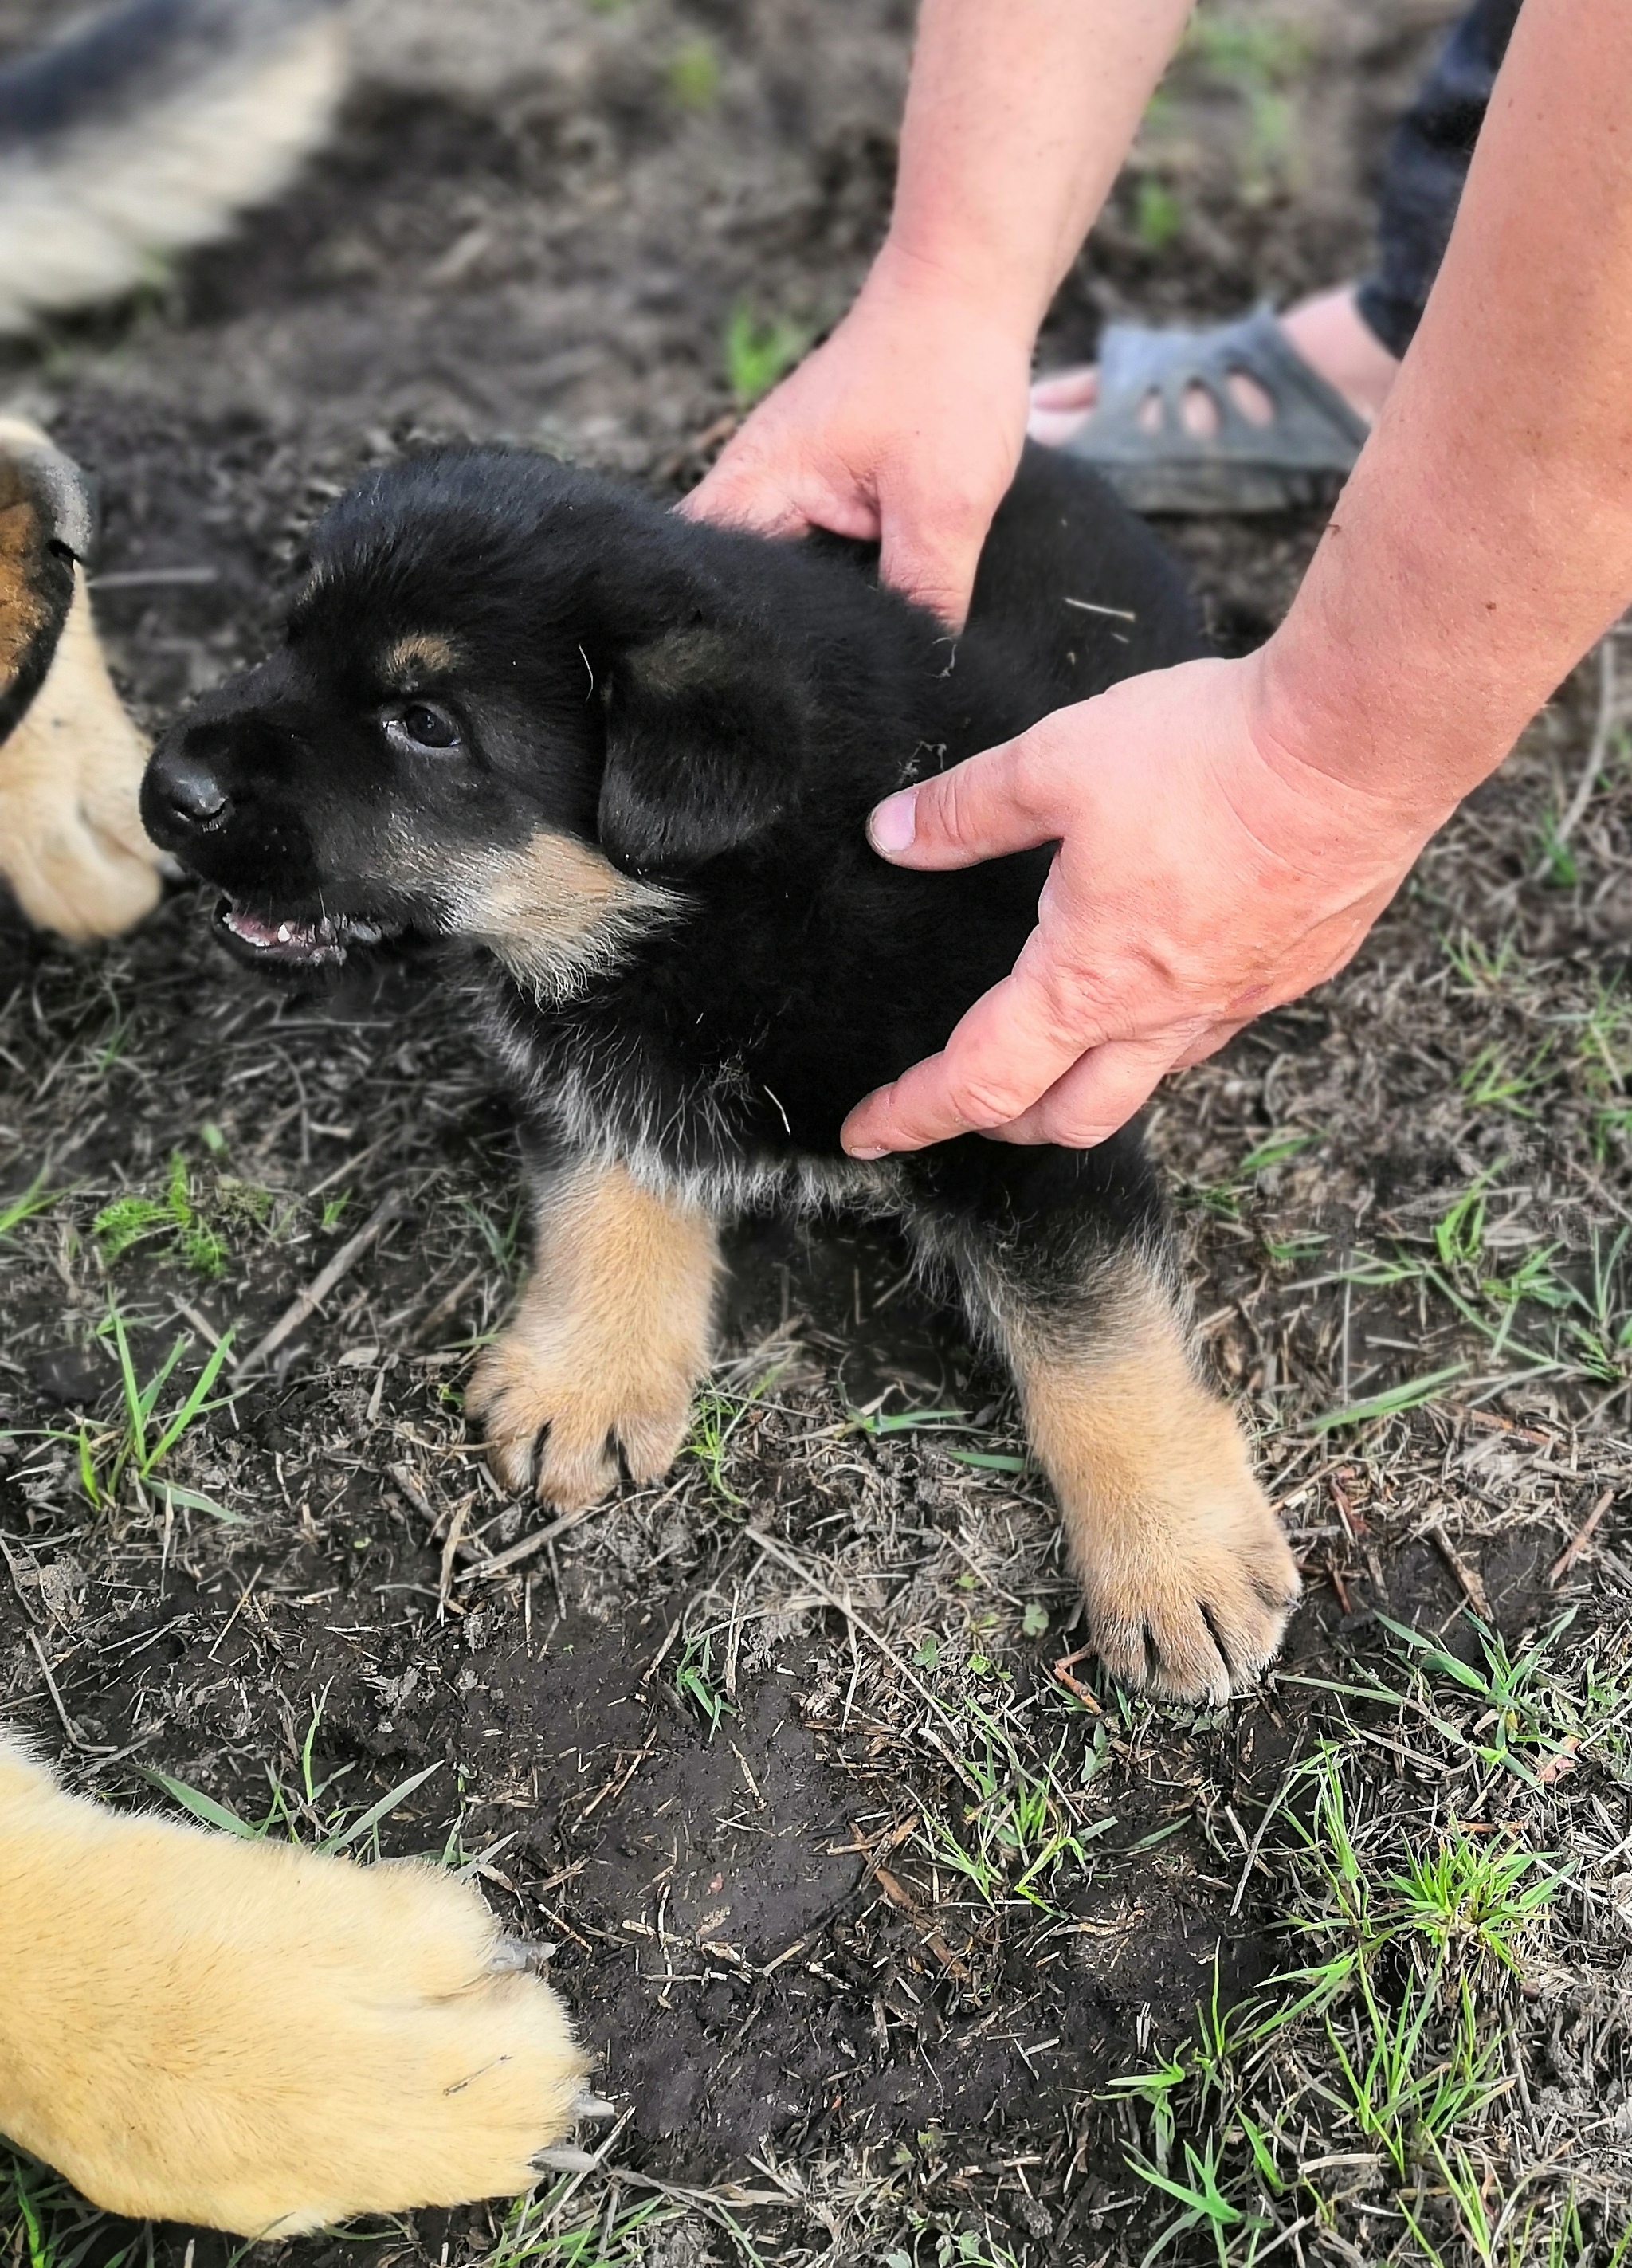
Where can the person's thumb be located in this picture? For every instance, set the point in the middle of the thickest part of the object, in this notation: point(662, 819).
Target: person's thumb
point(978, 810)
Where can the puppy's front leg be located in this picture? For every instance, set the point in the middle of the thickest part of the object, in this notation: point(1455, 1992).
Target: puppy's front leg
point(612, 1334)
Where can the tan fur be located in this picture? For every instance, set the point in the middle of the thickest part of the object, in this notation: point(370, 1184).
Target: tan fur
point(405, 665)
point(613, 1333)
point(71, 844)
point(196, 2028)
point(556, 910)
point(1187, 1578)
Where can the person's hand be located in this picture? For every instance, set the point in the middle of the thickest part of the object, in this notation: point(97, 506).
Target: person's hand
point(904, 430)
point(1207, 870)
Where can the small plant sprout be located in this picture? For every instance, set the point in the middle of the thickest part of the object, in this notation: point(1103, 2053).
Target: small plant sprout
point(133, 1219)
point(694, 1681)
point(141, 1440)
point(758, 353)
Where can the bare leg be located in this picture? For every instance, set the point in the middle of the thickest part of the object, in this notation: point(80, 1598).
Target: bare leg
point(611, 1335)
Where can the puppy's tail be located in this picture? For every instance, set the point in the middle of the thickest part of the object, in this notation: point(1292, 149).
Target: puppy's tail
point(147, 130)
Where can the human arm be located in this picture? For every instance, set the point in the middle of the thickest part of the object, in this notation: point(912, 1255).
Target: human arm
point(1230, 831)
point(906, 426)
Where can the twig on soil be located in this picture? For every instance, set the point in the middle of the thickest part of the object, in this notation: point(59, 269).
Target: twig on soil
point(318, 1290)
point(484, 1570)
point(76, 1738)
point(1063, 1670)
point(1579, 1542)
point(445, 1306)
point(795, 1566)
point(1469, 1581)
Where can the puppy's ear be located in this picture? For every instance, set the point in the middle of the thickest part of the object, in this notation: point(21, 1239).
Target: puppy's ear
point(705, 736)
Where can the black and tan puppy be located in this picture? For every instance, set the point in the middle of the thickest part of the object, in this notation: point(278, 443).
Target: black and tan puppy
point(629, 758)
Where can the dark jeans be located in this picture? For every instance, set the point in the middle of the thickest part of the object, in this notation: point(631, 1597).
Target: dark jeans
point(1427, 167)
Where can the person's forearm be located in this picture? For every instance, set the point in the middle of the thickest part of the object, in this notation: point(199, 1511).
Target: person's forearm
point(1017, 120)
point(1485, 538)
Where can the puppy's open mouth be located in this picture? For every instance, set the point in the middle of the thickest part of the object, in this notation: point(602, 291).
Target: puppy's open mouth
point(296, 943)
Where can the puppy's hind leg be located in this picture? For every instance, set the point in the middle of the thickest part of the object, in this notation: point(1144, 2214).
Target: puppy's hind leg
point(611, 1335)
point(1187, 1578)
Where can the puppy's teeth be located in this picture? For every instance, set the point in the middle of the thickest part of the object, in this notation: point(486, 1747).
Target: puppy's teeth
point(282, 933)
point(365, 932)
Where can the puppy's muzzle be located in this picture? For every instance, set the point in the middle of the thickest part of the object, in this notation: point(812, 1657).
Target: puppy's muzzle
point(182, 796)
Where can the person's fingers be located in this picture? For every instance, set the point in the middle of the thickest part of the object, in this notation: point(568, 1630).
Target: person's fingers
point(1068, 389)
point(1100, 1093)
point(984, 808)
point(1009, 1049)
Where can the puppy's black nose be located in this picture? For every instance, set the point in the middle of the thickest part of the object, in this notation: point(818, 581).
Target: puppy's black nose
point(186, 788)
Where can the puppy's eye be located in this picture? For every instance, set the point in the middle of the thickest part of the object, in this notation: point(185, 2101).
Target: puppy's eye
point(422, 725)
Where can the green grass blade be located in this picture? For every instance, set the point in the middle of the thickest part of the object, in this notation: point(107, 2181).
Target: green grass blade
point(202, 1806)
point(371, 1819)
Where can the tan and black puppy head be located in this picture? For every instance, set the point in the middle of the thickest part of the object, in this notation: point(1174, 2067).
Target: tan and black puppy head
point(505, 708)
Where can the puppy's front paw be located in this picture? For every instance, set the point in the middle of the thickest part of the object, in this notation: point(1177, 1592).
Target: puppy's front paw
point(258, 2038)
point(1187, 1578)
point(1188, 1591)
point(556, 1416)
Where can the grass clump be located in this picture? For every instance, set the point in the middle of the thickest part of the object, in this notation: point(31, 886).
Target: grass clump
point(173, 1215)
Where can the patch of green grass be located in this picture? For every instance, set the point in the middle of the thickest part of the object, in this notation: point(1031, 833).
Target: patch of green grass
point(309, 1812)
point(1389, 2040)
point(567, 2227)
point(1225, 1198)
point(1483, 969)
point(1158, 213)
point(1525, 1712)
point(34, 1200)
point(693, 75)
point(1259, 62)
point(1392, 1402)
point(1493, 1081)
point(142, 1439)
point(501, 1236)
point(695, 1682)
point(759, 351)
point(133, 1219)
point(1024, 1824)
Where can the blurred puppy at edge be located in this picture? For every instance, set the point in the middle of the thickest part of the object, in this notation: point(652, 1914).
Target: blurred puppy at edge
point(194, 2027)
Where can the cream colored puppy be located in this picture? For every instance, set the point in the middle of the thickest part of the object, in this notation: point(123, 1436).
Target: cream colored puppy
point(72, 845)
point(199, 2027)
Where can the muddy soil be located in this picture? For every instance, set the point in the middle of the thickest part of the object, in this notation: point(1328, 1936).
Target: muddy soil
point(680, 1739)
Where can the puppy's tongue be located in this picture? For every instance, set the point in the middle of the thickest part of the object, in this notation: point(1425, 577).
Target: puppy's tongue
point(300, 936)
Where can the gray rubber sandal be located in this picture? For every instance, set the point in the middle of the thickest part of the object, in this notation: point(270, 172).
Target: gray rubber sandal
point(1299, 458)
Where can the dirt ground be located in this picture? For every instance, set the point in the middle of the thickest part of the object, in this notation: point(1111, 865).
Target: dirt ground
point(891, 1937)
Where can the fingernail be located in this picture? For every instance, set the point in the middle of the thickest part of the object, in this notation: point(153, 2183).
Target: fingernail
point(893, 822)
point(865, 1156)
